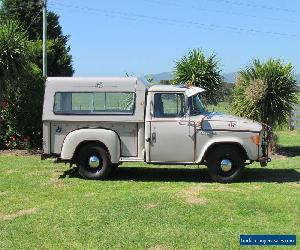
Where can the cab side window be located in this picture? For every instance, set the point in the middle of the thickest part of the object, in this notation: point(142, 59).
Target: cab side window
point(169, 105)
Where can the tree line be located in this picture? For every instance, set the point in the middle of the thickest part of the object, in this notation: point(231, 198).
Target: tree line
point(263, 91)
point(21, 81)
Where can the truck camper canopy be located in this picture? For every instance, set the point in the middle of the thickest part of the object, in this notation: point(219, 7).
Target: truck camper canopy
point(83, 98)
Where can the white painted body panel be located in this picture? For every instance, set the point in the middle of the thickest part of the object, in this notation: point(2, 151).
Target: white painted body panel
point(108, 137)
point(59, 128)
point(128, 133)
point(178, 140)
point(215, 128)
point(174, 141)
point(218, 121)
point(203, 130)
point(89, 84)
point(46, 138)
point(206, 139)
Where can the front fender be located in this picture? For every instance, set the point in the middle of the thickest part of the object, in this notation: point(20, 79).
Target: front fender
point(108, 137)
point(250, 149)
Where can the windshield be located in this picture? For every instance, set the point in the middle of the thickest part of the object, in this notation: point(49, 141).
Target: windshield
point(196, 106)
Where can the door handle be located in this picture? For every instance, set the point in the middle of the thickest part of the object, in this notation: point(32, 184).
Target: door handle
point(153, 137)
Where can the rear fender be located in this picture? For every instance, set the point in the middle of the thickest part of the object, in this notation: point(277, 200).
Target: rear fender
point(107, 137)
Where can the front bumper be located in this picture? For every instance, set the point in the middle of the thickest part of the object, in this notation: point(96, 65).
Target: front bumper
point(264, 161)
point(266, 136)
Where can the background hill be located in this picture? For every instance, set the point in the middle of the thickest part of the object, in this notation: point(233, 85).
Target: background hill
point(162, 76)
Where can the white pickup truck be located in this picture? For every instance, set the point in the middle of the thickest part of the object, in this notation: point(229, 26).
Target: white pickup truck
point(98, 123)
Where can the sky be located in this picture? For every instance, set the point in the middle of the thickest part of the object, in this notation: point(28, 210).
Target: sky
point(141, 37)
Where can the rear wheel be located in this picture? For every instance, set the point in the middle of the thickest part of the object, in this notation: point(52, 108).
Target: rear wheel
point(93, 162)
point(114, 166)
point(226, 164)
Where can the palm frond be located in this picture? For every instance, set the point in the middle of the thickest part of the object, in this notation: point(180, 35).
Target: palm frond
point(265, 91)
point(13, 49)
point(198, 70)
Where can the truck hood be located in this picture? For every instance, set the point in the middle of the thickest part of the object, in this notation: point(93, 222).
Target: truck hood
point(219, 121)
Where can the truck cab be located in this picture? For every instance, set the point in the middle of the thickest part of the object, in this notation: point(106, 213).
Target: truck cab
point(98, 123)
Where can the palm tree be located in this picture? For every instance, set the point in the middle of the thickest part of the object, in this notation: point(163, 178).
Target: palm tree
point(14, 52)
point(265, 92)
point(198, 70)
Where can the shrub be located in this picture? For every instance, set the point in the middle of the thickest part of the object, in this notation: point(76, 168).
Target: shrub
point(199, 70)
point(265, 92)
point(21, 117)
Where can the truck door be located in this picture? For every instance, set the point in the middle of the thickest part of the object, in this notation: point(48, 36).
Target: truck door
point(171, 136)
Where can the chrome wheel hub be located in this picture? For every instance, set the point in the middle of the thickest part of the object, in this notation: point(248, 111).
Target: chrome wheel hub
point(226, 165)
point(94, 161)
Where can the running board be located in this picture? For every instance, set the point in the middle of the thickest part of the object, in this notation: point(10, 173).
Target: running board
point(131, 159)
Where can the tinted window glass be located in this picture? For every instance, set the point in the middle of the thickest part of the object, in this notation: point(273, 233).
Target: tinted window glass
point(98, 103)
point(196, 106)
point(169, 105)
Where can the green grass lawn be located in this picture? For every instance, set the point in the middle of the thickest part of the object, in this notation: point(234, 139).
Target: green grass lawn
point(47, 206)
point(222, 107)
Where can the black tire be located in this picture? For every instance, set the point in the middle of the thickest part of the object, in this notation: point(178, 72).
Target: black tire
point(235, 157)
point(101, 171)
point(114, 166)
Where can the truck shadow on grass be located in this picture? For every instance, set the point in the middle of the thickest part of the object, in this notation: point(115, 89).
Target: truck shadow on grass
point(145, 174)
point(292, 151)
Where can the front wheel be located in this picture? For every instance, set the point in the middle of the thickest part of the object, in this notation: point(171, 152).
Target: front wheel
point(93, 162)
point(226, 164)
